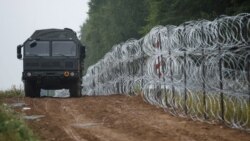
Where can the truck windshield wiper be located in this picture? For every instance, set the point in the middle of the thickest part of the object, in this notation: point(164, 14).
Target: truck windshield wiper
point(35, 55)
point(62, 55)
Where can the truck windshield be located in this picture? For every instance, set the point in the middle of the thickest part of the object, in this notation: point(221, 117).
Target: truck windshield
point(63, 48)
point(41, 49)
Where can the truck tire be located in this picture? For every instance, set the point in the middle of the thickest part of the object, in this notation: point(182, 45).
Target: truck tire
point(28, 89)
point(75, 89)
point(31, 90)
point(37, 91)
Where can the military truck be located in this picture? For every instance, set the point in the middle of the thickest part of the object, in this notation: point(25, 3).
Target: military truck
point(52, 59)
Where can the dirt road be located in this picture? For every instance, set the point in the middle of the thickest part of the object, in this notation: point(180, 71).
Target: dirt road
point(116, 118)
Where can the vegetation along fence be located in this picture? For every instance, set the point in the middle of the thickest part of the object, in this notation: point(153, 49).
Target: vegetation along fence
point(199, 69)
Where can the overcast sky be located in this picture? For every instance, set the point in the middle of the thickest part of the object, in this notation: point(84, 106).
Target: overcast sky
point(20, 18)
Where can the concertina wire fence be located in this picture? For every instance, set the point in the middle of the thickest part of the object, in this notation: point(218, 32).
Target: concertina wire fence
point(199, 69)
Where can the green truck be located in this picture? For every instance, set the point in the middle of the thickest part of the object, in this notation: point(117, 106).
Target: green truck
point(52, 59)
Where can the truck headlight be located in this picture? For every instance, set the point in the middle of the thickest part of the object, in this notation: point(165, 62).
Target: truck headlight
point(29, 74)
point(66, 74)
point(72, 74)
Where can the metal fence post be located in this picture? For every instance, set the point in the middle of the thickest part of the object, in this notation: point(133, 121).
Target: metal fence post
point(133, 73)
point(248, 77)
point(120, 85)
point(163, 71)
point(98, 85)
point(185, 82)
point(204, 84)
point(158, 45)
point(221, 84)
point(93, 81)
point(142, 70)
point(172, 78)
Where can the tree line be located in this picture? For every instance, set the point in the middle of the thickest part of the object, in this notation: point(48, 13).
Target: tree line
point(113, 21)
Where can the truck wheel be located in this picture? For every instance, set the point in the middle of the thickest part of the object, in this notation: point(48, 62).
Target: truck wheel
point(31, 90)
point(28, 88)
point(37, 91)
point(75, 90)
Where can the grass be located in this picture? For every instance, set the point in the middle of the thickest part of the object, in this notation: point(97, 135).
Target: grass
point(12, 92)
point(137, 89)
point(12, 126)
point(236, 108)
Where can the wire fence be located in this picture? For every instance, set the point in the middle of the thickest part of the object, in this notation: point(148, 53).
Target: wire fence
point(199, 69)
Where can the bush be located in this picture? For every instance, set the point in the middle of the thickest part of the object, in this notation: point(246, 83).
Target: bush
point(12, 127)
point(12, 92)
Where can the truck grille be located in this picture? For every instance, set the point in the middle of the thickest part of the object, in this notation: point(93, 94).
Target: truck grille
point(32, 64)
point(51, 65)
point(56, 64)
point(69, 65)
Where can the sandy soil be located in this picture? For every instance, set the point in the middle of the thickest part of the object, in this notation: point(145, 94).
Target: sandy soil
point(116, 118)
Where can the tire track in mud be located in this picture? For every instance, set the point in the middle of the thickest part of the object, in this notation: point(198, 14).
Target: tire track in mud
point(114, 118)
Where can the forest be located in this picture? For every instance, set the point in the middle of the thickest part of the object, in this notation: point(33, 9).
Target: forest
point(114, 21)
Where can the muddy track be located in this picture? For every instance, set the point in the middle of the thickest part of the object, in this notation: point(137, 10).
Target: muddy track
point(116, 118)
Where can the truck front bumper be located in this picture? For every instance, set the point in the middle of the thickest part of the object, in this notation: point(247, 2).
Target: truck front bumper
point(51, 79)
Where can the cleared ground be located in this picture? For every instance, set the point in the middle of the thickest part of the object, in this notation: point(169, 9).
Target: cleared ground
point(116, 118)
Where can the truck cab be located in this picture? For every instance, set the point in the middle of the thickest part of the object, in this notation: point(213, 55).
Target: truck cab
point(52, 59)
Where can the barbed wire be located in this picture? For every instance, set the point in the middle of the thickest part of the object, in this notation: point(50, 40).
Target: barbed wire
point(199, 69)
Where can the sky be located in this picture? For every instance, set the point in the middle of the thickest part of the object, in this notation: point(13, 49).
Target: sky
point(20, 18)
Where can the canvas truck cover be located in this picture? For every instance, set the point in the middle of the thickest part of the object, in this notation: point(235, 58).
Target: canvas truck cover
point(55, 34)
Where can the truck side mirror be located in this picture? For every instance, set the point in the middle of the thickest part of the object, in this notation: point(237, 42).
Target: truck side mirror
point(83, 52)
point(19, 52)
point(33, 43)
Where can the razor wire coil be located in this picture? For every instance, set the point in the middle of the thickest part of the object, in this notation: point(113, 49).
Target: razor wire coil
point(199, 69)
